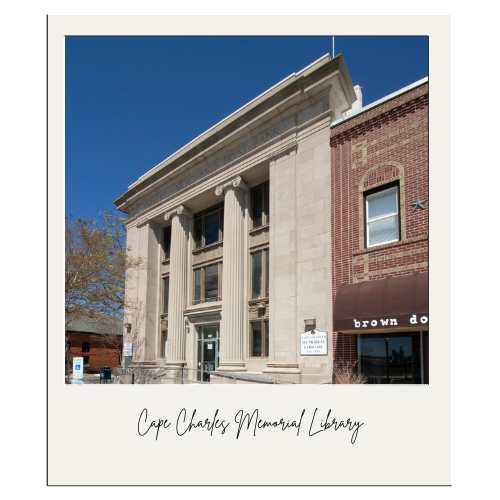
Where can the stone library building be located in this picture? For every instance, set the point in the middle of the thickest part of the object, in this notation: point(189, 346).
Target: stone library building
point(248, 238)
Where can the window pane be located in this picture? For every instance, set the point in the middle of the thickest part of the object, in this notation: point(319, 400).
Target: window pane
point(167, 233)
point(211, 283)
point(384, 230)
point(267, 272)
point(211, 228)
point(382, 203)
point(197, 231)
point(390, 359)
point(256, 340)
point(266, 338)
point(197, 286)
point(256, 274)
point(266, 201)
point(257, 200)
point(165, 295)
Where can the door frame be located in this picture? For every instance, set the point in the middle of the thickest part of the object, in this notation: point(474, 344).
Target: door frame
point(200, 344)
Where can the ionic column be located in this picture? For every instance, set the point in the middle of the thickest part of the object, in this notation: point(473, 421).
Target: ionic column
point(177, 295)
point(233, 276)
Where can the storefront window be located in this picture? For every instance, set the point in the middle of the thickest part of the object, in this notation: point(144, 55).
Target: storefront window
point(390, 358)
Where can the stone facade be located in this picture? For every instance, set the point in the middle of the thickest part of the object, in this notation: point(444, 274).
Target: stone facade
point(280, 138)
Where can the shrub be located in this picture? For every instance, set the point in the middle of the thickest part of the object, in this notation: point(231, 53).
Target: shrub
point(347, 373)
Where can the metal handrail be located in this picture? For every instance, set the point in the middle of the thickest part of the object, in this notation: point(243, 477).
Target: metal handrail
point(197, 374)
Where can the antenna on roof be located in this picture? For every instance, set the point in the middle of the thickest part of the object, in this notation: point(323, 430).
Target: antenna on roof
point(333, 47)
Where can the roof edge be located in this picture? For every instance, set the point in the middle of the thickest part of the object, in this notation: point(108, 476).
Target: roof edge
point(382, 100)
point(229, 118)
point(322, 61)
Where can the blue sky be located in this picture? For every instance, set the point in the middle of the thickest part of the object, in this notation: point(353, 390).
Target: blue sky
point(132, 101)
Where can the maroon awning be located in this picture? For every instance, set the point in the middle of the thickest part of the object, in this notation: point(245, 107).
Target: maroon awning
point(383, 304)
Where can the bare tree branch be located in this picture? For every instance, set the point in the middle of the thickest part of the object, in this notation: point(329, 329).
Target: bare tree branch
point(96, 263)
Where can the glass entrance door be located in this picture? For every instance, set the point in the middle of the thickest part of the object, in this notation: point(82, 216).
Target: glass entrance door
point(208, 351)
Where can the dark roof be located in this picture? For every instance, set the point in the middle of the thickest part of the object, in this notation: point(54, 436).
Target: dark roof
point(101, 326)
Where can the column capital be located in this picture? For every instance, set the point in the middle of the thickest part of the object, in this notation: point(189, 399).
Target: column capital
point(180, 210)
point(236, 183)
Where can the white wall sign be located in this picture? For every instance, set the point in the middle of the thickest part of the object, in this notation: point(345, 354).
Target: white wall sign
point(314, 343)
point(78, 367)
point(127, 349)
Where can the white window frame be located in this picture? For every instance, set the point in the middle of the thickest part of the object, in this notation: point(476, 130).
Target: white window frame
point(386, 216)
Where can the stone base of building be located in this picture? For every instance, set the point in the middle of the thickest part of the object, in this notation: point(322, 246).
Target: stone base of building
point(232, 367)
point(146, 372)
point(151, 372)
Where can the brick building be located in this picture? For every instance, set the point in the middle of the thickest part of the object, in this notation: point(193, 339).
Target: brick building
point(379, 229)
point(99, 343)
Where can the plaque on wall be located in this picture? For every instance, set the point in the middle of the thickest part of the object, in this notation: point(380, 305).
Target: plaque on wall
point(314, 343)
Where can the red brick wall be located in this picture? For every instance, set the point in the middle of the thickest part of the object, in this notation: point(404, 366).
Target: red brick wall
point(384, 144)
point(104, 350)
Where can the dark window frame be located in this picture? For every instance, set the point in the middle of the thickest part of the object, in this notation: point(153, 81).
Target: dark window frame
point(166, 242)
point(200, 242)
point(264, 294)
point(202, 269)
point(263, 188)
point(164, 305)
point(374, 190)
point(264, 343)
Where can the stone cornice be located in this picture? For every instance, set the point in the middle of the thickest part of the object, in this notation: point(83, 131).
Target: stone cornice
point(236, 183)
point(294, 89)
point(265, 152)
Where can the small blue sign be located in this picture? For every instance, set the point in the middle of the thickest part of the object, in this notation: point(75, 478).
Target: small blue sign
point(78, 367)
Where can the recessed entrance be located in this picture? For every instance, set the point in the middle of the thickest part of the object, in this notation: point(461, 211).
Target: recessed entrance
point(208, 351)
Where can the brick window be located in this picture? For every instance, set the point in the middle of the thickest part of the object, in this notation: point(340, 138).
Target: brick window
point(382, 215)
point(259, 338)
point(259, 197)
